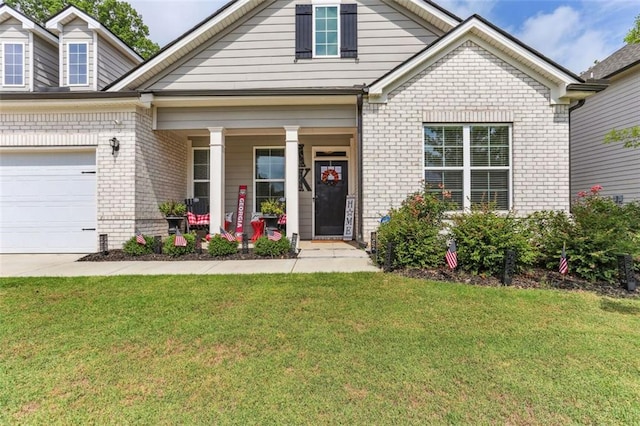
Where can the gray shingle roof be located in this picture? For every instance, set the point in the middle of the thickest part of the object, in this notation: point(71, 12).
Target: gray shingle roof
point(628, 55)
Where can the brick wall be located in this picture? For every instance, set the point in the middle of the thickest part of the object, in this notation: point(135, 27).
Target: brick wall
point(467, 85)
point(150, 167)
point(160, 173)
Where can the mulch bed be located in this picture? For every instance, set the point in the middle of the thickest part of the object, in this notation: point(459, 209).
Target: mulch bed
point(119, 255)
point(534, 278)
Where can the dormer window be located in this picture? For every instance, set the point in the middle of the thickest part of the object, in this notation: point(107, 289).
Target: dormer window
point(326, 31)
point(13, 60)
point(78, 64)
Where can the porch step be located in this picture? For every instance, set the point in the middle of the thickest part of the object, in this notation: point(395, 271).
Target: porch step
point(330, 249)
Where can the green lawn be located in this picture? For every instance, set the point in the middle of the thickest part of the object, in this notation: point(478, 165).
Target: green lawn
point(312, 349)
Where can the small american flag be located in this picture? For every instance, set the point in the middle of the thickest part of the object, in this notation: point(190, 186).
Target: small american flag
point(180, 240)
point(140, 238)
point(564, 265)
point(452, 255)
point(274, 235)
point(227, 235)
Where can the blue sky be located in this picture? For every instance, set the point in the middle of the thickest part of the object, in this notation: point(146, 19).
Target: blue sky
point(573, 33)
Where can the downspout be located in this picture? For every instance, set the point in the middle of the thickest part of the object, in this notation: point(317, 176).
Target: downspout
point(571, 109)
point(359, 236)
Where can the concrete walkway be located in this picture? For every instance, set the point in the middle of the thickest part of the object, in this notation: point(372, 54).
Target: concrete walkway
point(313, 257)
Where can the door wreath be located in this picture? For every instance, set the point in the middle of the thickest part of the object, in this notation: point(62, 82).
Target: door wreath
point(330, 177)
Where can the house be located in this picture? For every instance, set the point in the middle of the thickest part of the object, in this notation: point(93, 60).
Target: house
point(615, 168)
point(307, 100)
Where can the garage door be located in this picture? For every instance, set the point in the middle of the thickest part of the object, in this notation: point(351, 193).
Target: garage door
point(48, 202)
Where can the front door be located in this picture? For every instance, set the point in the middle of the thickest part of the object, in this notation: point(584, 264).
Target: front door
point(331, 188)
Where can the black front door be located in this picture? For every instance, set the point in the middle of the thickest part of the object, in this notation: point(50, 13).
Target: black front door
point(330, 197)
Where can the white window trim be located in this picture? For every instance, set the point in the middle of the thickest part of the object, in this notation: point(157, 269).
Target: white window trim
point(466, 166)
point(316, 5)
point(192, 186)
point(69, 64)
point(256, 208)
point(4, 52)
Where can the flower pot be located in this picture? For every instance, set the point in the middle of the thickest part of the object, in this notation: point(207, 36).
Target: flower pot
point(174, 223)
point(270, 220)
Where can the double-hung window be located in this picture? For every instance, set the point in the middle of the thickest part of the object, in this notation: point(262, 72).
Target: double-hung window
point(326, 30)
point(201, 174)
point(78, 64)
point(471, 162)
point(13, 68)
point(269, 175)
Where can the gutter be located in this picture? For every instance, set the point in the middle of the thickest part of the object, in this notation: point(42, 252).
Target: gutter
point(360, 236)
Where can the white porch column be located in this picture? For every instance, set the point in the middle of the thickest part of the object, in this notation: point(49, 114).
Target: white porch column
point(291, 180)
point(216, 179)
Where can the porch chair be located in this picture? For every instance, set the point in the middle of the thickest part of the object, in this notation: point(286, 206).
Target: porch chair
point(197, 214)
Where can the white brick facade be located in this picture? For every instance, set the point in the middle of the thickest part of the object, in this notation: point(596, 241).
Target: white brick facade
point(150, 167)
point(467, 85)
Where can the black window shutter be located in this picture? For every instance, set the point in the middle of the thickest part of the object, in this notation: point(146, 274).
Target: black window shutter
point(349, 31)
point(304, 27)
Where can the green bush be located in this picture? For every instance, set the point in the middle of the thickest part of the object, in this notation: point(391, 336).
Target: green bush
point(483, 236)
point(602, 230)
point(171, 249)
point(265, 247)
point(132, 248)
point(219, 246)
point(415, 230)
point(549, 231)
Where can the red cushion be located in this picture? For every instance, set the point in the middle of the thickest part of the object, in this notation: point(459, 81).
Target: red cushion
point(197, 219)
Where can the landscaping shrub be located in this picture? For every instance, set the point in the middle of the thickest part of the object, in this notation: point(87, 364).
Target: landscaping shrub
point(483, 236)
point(415, 230)
point(266, 247)
point(171, 249)
point(602, 230)
point(219, 246)
point(549, 231)
point(132, 248)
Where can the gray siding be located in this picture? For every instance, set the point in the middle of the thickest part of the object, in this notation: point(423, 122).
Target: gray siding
point(45, 69)
point(260, 52)
point(239, 153)
point(256, 117)
point(11, 32)
point(616, 168)
point(77, 31)
point(111, 63)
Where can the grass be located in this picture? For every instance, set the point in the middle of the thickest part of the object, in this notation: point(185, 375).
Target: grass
point(309, 349)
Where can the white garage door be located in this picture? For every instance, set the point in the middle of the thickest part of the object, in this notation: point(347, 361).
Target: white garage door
point(48, 202)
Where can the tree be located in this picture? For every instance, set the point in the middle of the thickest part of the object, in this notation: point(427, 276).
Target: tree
point(119, 16)
point(630, 137)
point(633, 36)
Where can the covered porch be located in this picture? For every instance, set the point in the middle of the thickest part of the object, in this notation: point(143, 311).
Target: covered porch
point(303, 149)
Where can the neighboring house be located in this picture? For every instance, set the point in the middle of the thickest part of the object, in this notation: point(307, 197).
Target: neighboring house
point(615, 168)
point(308, 100)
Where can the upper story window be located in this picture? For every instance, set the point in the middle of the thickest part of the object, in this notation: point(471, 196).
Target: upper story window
point(78, 64)
point(470, 162)
point(13, 60)
point(326, 31)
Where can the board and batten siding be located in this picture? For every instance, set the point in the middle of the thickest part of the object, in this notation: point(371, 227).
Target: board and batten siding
point(256, 117)
point(614, 167)
point(260, 52)
point(111, 63)
point(11, 32)
point(77, 31)
point(45, 67)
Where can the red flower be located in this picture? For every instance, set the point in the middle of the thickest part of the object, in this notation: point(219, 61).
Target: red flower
point(595, 189)
point(582, 194)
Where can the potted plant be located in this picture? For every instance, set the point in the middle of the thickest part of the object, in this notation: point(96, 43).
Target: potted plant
point(174, 212)
point(271, 210)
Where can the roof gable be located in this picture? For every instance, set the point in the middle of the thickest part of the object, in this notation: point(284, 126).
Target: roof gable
point(229, 15)
point(57, 22)
point(7, 12)
point(492, 39)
